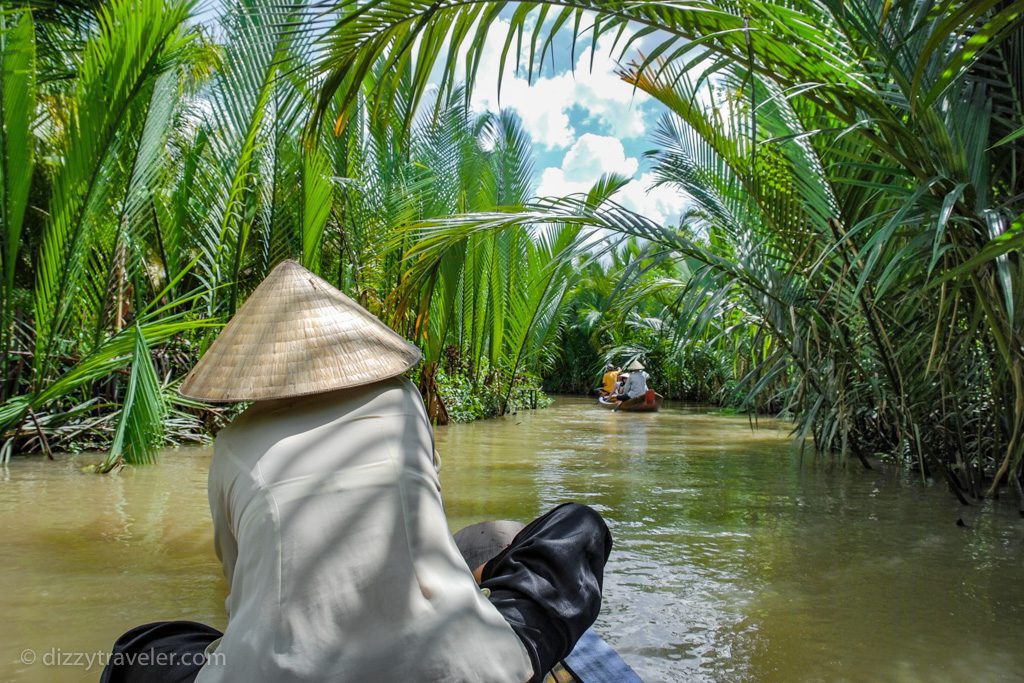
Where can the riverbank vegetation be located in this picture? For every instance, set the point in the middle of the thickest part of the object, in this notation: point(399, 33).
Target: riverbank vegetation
point(154, 173)
point(851, 257)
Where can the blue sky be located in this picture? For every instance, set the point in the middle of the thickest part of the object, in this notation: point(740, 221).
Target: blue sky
point(582, 124)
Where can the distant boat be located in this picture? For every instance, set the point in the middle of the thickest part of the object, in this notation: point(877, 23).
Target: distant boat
point(648, 403)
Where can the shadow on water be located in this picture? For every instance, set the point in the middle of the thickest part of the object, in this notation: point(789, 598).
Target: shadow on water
point(733, 561)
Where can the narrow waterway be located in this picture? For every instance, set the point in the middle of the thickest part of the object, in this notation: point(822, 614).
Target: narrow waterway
point(733, 560)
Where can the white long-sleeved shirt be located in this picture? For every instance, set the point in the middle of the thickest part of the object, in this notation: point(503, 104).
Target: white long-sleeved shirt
point(329, 525)
point(636, 384)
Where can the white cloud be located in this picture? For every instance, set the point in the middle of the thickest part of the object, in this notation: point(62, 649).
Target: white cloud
point(544, 106)
point(661, 204)
point(591, 155)
point(588, 159)
point(594, 155)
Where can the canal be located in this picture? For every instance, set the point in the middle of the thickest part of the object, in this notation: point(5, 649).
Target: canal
point(735, 559)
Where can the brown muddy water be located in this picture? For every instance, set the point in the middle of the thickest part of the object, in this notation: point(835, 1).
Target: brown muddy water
point(733, 560)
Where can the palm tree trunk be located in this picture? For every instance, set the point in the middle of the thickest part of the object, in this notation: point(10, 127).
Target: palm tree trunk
point(437, 413)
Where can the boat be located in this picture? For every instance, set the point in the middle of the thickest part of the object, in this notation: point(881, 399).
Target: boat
point(648, 403)
point(594, 661)
point(606, 402)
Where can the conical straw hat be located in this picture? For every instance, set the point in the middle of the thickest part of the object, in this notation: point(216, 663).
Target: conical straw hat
point(635, 365)
point(297, 335)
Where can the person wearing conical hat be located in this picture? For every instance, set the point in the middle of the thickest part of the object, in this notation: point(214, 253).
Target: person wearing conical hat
point(636, 383)
point(329, 524)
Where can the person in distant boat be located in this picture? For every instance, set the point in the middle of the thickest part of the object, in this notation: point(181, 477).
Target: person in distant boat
point(636, 384)
point(620, 384)
point(329, 524)
point(610, 378)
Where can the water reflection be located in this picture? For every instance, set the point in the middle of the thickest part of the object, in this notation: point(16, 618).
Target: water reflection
point(732, 560)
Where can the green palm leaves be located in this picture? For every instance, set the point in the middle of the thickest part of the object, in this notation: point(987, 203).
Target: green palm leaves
point(856, 165)
point(174, 166)
point(494, 298)
point(140, 428)
point(102, 176)
point(116, 81)
point(17, 104)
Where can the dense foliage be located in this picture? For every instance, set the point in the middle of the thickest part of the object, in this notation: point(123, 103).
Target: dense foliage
point(856, 167)
point(626, 308)
point(152, 174)
point(852, 258)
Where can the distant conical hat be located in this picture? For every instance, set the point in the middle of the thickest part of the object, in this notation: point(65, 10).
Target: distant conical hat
point(297, 335)
point(635, 365)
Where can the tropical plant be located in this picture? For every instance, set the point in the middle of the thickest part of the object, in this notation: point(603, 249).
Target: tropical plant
point(152, 171)
point(89, 261)
point(857, 164)
point(493, 299)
